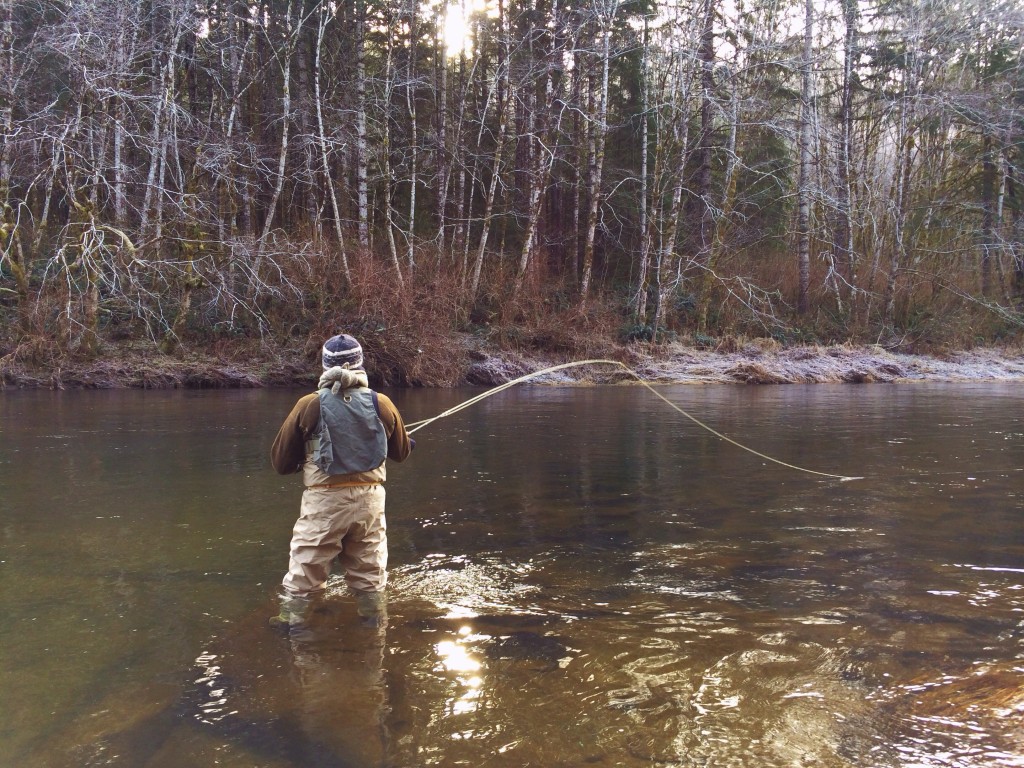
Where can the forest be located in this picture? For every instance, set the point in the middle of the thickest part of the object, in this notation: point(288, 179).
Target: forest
point(545, 174)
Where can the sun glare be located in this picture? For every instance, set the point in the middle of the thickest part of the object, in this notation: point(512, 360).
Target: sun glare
point(456, 31)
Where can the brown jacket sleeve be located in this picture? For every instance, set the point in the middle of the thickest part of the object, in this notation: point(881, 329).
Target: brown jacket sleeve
point(289, 450)
point(399, 442)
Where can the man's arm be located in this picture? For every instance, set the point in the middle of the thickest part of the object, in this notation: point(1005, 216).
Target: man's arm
point(399, 443)
point(289, 450)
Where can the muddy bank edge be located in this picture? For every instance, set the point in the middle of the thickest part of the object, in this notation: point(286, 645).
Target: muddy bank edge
point(474, 364)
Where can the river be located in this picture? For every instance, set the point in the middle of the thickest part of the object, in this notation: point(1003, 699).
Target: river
point(579, 576)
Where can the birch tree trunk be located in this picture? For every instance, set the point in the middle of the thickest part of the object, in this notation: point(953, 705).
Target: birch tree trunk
point(325, 162)
point(307, 188)
point(901, 188)
point(460, 238)
point(9, 236)
point(410, 101)
point(542, 159)
point(668, 243)
point(843, 244)
point(988, 218)
point(804, 184)
point(720, 221)
point(1003, 237)
point(121, 58)
point(291, 36)
point(443, 169)
point(600, 133)
point(1016, 235)
point(389, 221)
point(362, 144)
point(580, 133)
point(666, 260)
point(488, 218)
point(7, 95)
point(161, 128)
point(705, 214)
point(239, 221)
point(503, 97)
point(640, 299)
point(165, 142)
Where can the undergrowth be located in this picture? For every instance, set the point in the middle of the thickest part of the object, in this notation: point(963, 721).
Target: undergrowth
point(429, 329)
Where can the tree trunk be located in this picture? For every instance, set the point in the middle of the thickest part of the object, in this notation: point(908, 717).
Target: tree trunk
point(599, 135)
point(720, 222)
point(410, 102)
point(325, 162)
point(580, 132)
point(389, 222)
point(158, 141)
point(188, 248)
point(121, 58)
point(460, 237)
point(901, 186)
point(499, 149)
point(988, 230)
point(804, 190)
point(443, 169)
point(1016, 235)
point(505, 103)
point(6, 96)
point(286, 116)
point(705, 214)
point(672, 217)
point(10, 238)
point(306, 189)
point(542, 159)
point(645, 239)
point(362, 143)
point(161, 185)
point(843, 241)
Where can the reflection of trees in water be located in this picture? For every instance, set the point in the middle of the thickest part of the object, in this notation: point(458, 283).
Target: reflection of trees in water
point(251, 697)
point(630, 677)
point(667, 601)
point(342, 691)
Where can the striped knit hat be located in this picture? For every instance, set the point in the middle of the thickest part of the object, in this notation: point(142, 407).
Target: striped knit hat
point(342, 350)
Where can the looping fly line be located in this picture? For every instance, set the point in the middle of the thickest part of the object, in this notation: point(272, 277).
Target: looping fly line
point(473, 400)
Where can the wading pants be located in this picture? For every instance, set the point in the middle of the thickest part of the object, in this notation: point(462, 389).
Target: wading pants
point(345, 520)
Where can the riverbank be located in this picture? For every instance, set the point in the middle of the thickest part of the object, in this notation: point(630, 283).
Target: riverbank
point(249, 365)
point(761, 364)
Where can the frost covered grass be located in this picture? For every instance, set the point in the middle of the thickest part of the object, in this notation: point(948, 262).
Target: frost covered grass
point(764, 364)
point(464, 359)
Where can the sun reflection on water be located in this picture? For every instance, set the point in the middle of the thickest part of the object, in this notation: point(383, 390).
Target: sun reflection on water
point(456, 657)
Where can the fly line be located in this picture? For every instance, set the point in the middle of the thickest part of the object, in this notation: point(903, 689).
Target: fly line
point(417, 425)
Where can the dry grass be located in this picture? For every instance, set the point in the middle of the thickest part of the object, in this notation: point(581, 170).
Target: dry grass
point(428, 331)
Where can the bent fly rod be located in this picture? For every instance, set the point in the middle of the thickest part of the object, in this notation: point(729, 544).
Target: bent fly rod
point(417, 425)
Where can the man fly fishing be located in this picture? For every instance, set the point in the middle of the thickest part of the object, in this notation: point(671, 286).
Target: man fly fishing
point(339, 437)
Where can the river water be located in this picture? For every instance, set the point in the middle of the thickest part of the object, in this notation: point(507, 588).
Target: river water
point(579, 576)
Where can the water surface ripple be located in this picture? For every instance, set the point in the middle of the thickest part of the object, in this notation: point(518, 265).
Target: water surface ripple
point(580, 576)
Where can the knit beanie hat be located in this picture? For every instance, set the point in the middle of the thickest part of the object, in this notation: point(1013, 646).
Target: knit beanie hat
point(342, 350)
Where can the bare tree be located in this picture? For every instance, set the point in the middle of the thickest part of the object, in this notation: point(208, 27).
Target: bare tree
point(502, 97)
point(804, 186)
point(605, 18)
point(362, 141)
point(324, 19)
point(167, 168)
point(542, 144)
point(292, 31)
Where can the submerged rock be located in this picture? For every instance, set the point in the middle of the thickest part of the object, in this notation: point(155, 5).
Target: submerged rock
point(546, 650)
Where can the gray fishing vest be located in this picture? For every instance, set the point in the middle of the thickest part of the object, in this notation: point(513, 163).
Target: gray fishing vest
point(350, 436)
